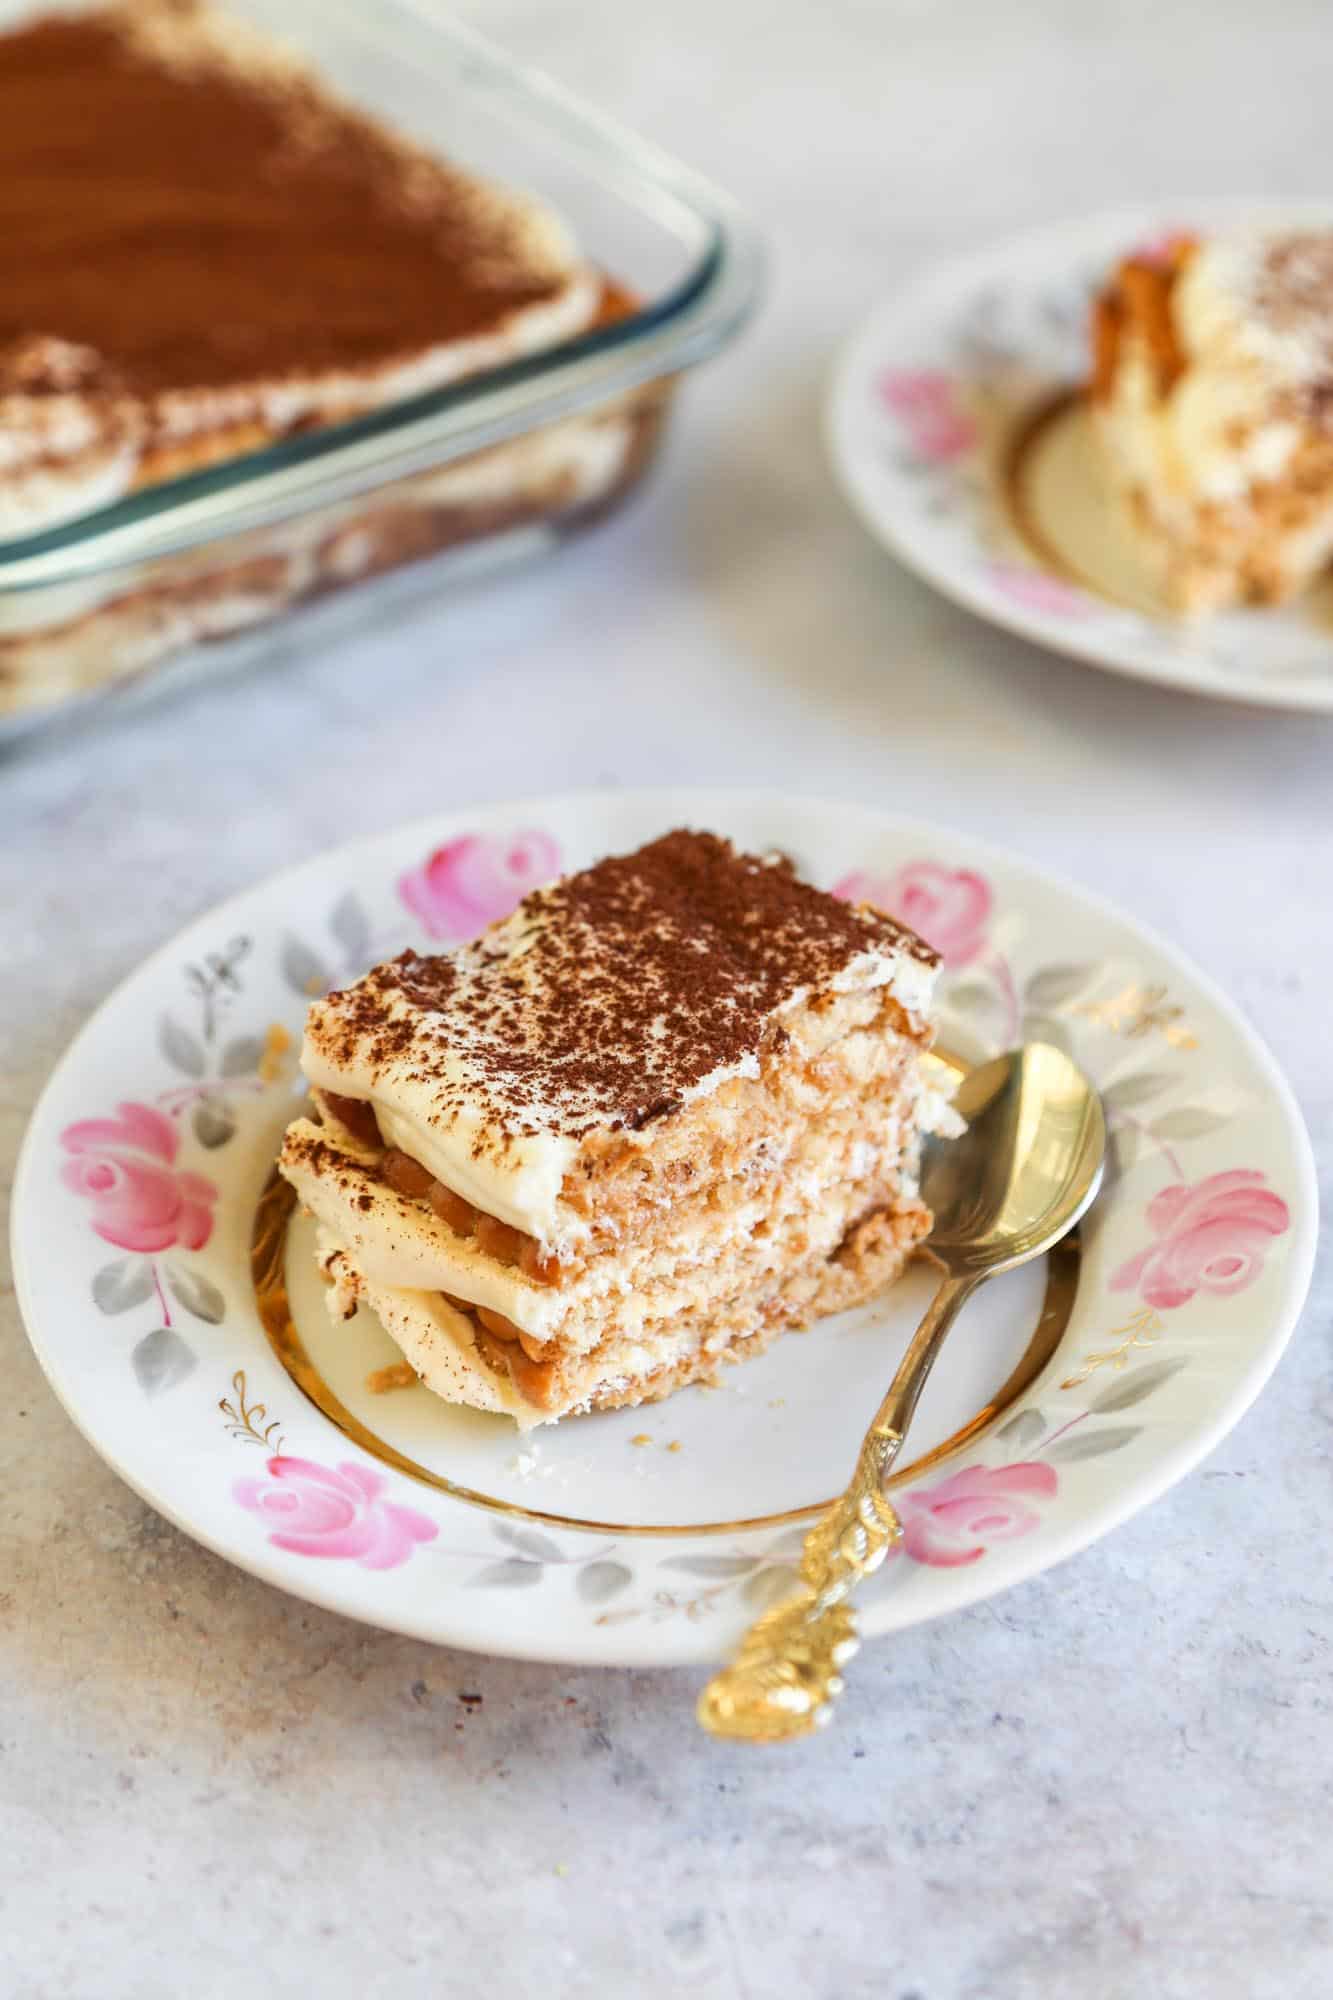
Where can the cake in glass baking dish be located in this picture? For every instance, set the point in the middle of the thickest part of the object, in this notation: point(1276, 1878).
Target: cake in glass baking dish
point(668, 1108)
point(202, 250)
point(1212, 399)
point(258, 345)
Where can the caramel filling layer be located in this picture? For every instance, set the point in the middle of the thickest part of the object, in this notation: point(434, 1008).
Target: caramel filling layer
point(1138, 300)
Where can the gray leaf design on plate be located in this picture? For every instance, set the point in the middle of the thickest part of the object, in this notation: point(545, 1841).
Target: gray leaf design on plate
point(303, 969)
point(1189, 1122)
point(714, 1566)
point(513, 1574)
point(1055, 984)
point(161, 1360)
point(1125, 1148)
point(126, 1283)
point(767, 1585)
point(214, 1122)
point(971, 996)
point(1135, 1385)
point(1045, 1028)
point(242, 1056)
point(537, 1548)
point(598, 1581)
point(1094, 1444)
point(790, 1543)
point(196, 1294)
point(1130, 1090)
point(179, 1047)
point(351, 926)
point(1027, 1426)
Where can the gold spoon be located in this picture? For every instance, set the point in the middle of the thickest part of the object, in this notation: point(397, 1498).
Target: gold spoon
point(1018, 1179)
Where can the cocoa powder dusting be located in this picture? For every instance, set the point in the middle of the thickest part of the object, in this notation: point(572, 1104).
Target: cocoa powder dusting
point(609, 997)
point(1293, 296)
point(182, 213)
point(1294, 288)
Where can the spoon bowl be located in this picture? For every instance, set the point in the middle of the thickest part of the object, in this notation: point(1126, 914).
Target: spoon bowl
point(1026, 1168)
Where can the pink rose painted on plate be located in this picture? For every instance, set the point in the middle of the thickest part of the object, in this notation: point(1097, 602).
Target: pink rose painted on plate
point(1163, 248)
point(140, 1201)
point(317, 1510)
point(949, 907)
point(928, 406)
point(956, 1522)
point(1039, 590)
point(1211, 1237)
point(477, 879)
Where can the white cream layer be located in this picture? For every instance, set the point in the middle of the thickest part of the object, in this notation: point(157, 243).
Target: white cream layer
point(438, 1341)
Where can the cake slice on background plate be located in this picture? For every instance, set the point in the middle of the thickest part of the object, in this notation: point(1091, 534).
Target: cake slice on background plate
point(1212, 400)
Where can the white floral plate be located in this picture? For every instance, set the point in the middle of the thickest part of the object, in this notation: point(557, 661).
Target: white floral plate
point(648, 1536)
point(926, 406)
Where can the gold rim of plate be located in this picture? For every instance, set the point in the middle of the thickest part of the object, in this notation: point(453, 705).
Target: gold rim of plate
point(268, 1267)
point(268, 1261)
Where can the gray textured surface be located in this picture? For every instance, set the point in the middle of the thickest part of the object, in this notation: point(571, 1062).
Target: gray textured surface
point(1115, 1781)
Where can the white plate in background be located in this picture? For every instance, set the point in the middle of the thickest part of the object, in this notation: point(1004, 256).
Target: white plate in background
point(923, 410)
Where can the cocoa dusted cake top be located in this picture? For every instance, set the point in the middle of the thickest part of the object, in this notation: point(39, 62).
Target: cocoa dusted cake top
point(1291, 291)
point(616, 993)
point(607, 1000)
point(190, 208)
point(1263, 298)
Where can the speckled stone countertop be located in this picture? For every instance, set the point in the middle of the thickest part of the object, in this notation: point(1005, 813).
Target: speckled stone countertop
point(1115, 1781)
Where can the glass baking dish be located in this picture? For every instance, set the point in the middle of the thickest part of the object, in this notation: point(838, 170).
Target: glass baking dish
point(191, 574)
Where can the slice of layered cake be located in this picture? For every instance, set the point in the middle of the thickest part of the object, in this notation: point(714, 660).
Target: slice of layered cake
point(1212, 398)
point(668, 1108)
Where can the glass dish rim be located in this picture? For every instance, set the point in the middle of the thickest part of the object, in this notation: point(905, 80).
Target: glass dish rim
point(298, 475)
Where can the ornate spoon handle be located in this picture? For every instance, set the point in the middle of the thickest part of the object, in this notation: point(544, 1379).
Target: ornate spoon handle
point(786, 1676)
